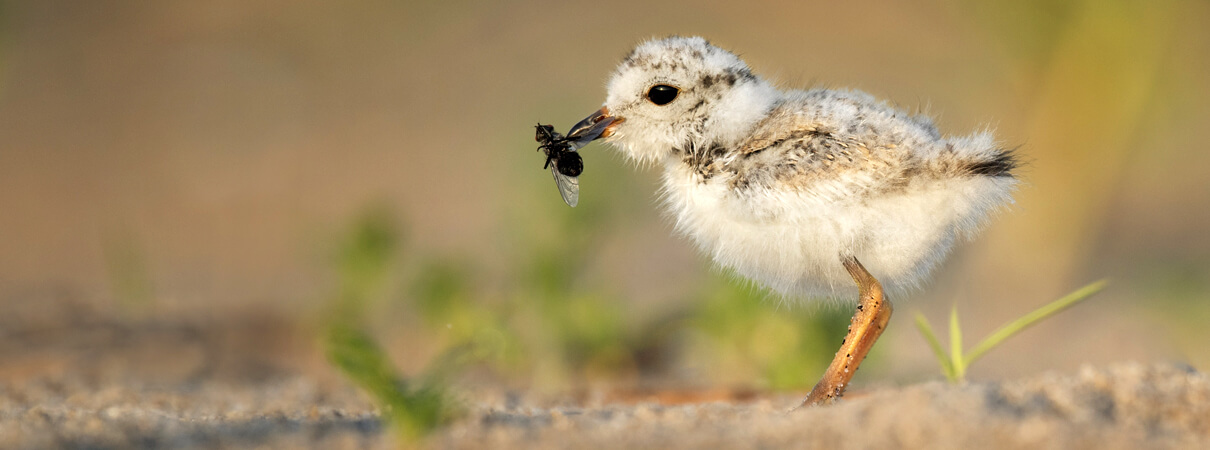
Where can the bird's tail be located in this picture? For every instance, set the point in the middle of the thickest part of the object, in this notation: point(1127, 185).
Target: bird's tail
point(998, 163)
point(979, 155)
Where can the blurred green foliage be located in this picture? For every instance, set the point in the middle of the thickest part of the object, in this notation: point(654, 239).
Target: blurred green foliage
point(743, 330)
point(414, 408)
point(364, 262)
point(366, 259)
point(581, 330)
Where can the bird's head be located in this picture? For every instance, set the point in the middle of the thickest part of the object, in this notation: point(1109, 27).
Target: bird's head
point(680, 93)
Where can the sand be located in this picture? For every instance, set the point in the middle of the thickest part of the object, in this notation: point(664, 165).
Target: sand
point(89, 384)
point(1123, 406)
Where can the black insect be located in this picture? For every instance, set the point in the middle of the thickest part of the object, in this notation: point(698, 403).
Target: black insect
point(564, 162)
point(559, 151)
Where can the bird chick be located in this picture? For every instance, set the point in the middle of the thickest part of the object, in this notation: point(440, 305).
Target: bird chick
point(802, 190)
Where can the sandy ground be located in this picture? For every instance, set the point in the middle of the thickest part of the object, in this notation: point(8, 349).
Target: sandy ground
point(1124, 406)
point(98, 384)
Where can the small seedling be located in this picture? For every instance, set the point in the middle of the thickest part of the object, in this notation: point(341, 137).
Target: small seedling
point(955, 364)
point(413, 406)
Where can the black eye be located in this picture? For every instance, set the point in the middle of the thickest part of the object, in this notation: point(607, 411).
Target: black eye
point(662, 94)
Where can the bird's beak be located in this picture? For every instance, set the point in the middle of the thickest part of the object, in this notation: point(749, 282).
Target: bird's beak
point(598, 125)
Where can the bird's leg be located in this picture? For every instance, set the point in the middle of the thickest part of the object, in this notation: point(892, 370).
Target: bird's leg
point(873, 314)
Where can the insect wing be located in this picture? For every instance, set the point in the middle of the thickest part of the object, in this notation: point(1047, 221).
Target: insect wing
point(569, 187)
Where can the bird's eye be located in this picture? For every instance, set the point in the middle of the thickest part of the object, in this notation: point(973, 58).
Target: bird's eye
point(662, 94)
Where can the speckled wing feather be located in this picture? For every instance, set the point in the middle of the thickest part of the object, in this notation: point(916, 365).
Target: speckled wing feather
point(794, 148)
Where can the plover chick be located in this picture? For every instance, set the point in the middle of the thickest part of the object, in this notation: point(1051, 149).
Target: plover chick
point(802, 190)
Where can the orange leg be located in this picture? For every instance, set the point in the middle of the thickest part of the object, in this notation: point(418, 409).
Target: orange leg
point(873, 314)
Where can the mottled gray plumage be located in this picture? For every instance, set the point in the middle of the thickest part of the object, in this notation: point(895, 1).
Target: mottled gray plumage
point(796, 147)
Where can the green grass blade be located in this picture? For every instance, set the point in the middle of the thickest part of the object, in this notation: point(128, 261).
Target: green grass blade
point(956, 346)
point(415, 409)
point(926, 330)
point(1027, 320)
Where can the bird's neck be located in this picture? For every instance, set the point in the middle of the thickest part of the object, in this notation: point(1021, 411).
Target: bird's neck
point(738, 112)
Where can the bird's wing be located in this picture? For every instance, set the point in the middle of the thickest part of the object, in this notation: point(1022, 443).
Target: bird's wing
point(790, 148)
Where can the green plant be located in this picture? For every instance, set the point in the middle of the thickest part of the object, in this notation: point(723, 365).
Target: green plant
point(413, 407)
point(955, 364)
point(365, 262)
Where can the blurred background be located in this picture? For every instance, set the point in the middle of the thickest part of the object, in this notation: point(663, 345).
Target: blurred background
point(188, 188)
